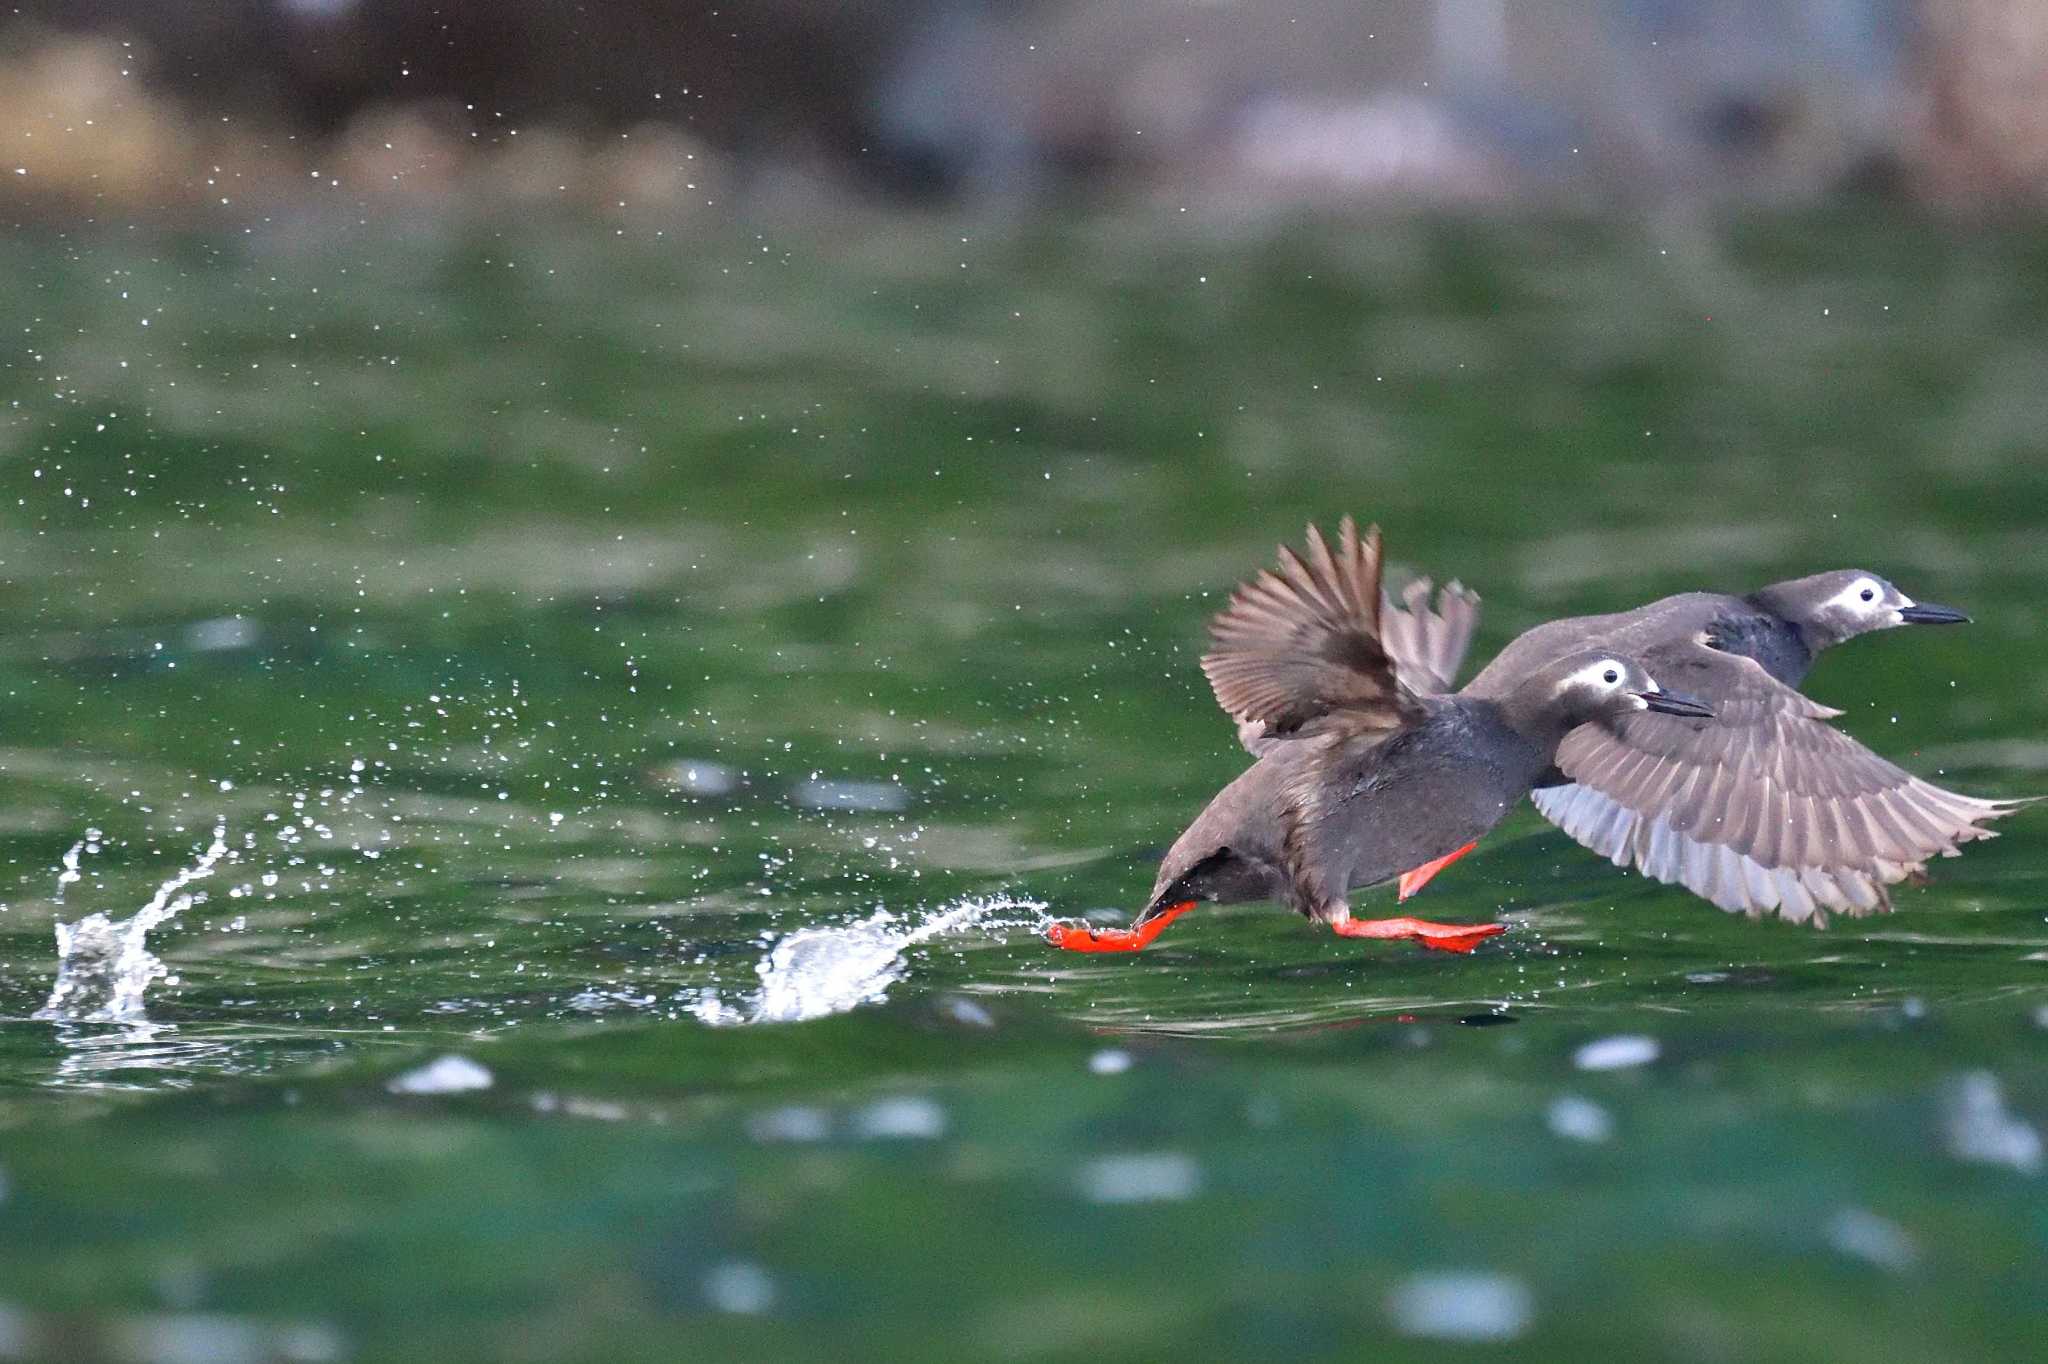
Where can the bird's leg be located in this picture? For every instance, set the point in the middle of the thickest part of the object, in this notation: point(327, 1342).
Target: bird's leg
point(1436, 937)
point(1081, 938)
point(1412, 881)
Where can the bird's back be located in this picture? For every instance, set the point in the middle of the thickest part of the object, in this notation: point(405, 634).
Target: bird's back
point(1652, 634)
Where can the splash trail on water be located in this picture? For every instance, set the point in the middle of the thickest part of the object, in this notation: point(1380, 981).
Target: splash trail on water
point(816, 972)
point(104, 966)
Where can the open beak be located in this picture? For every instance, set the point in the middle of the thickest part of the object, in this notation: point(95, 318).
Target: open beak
point(1927, 613)
point(1675, 703)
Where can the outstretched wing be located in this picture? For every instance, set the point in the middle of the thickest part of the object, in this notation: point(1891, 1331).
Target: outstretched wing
point(1301, 644)
point(1428, 644)
point(1766, 807)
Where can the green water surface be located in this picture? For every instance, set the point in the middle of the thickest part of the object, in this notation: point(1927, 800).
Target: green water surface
point(429, 560)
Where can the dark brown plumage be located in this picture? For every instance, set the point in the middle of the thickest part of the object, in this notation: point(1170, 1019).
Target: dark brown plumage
point(1362, 776)
point(1766, 808)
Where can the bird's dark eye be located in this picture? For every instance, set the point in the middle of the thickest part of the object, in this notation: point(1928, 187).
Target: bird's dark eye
point(1869, 594)
point(1611, 677)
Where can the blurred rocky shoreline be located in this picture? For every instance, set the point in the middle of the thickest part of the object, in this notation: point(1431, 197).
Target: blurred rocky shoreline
point(1217, 107)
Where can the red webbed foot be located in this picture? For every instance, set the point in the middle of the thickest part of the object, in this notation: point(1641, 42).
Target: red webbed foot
point(1436, 937)
point(1081, 938)
point(1412, 881)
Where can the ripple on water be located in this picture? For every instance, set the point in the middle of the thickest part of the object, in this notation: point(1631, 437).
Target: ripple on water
point(1109, 1061)
point(1141, 1177)
point(869, 797)
point(698, 777)
point(1579, 1119)
point(1462, 1305)
point(740, 1287)
point(1863, 1235)
point(790, 1122)
point(1980, 1128)
point(1617, 1053)
point(166, 1338)
point(903, 1117)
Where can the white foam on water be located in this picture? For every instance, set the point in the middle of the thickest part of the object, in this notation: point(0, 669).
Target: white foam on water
point(450, 1074)
point(104, 966)
point(817, 972)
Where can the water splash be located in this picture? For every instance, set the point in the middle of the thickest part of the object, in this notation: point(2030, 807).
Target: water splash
point(70, 873)
point(815, 972)
point(104, 966)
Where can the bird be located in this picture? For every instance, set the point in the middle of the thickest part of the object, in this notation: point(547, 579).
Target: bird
point(1363, 776)
point(1647, 792)
point(1766, 808)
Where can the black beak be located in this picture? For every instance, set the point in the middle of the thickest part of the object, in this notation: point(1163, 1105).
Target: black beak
point(1927, 613)
point(1676, 703)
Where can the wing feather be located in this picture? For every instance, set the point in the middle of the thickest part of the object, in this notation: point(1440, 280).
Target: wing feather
point(1766, 806)
point(1428, 643)
point(1302, 642)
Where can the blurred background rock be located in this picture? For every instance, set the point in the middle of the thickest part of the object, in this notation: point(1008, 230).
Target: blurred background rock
point(1218, 106)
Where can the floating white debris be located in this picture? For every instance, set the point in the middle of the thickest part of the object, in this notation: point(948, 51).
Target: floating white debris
point(903, 1118)
point(1462, 1305)
point(104, 966)
point(1617, 1053)
point(792, 1122)
point(1865, 1236)
point(1147, 1177)
point(815, 972)
point(740, 1287)
point(450, 1074)
point(879, 797)
point(1579, 1119)
point(1109, 1061)
point(1981, 1129)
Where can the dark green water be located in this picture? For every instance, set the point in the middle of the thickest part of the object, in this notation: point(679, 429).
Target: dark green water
point(425, 562)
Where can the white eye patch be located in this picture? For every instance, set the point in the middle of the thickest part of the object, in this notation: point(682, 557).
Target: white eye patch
point(1607, 673)
point(1861, 597)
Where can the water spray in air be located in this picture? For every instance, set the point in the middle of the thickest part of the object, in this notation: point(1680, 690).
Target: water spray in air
point(104, 965)
point(815, 972)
